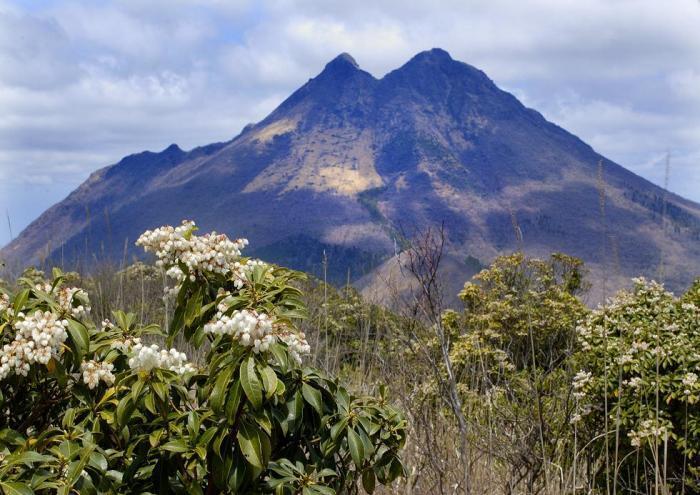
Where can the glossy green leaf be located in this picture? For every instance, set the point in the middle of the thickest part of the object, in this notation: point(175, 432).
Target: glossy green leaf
point(254, 444)
point(313, 397)
point(218, 393)
point(357, 450)
point(269, 379)
point(13, 488)
point(251, 383)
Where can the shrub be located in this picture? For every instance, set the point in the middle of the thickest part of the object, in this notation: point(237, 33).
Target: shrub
point(520, 311)
point(639, 362)
point(509, 351)
point(101, 409)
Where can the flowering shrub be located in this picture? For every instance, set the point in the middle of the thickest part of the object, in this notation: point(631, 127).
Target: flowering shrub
point(100, 409)
point(640, 356)
point(520, 311)
point(509, 349)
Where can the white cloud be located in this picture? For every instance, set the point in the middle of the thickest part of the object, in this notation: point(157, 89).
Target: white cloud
point(83, 83)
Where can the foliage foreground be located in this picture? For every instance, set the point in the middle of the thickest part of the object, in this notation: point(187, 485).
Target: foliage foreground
point(91, 408)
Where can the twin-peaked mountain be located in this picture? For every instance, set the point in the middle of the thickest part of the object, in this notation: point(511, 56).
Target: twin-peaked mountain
point(349, 163)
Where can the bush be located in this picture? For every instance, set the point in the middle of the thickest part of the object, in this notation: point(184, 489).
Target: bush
point(638, 388)
point(100, 409)
point(521, 311)
point(510, 351)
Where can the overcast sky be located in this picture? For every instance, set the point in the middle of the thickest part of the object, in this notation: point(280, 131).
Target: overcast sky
point(83, 83)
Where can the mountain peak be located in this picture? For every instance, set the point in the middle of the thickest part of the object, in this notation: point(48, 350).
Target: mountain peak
point(354, 158)
point(434, 55)
point(345, 58)
point(342, 65)
point(173, 148)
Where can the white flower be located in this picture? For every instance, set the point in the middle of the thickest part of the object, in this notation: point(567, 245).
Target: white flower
point(4, 302)
point(581, 379)
point(39, 337)
point(690, 379)
point(649, 428)
point(635, 382)
point(296, 345)
point(147, 358)
point(208, 253)
point(67, 297)
point(625, 358)
point(249, 328)
point(241, 271)
point(126, 345)
point(257, 330)
point(94, 371)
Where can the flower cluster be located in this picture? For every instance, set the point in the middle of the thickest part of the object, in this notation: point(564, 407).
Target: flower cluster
point(581, 379)
point(241, 271)
point(67, 297)
point(4, 302)
point(39, 337)
point(634, 382)
point(126, 344)
point(581, 412)
point(94, 371)
point(72, 300)
point(650, 429)
point(249, 328)
point(147, 358)
point(173, 245)
point(690, 381)
point(255, 329)
point(296, 345)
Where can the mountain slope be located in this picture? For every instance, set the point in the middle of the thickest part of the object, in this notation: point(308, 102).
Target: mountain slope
point(349, 162)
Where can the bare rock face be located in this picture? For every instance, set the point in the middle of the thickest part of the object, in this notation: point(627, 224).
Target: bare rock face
point(349, 164)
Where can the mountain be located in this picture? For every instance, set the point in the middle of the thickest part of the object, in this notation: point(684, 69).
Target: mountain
point(349, 163)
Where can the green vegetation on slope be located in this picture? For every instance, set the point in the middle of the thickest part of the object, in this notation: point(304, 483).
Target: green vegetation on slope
point(523, 390)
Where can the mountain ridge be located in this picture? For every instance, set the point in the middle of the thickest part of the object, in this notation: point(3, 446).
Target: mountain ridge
point(353, 160)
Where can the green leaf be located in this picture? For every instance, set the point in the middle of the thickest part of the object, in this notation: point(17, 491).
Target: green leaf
point(295, 407)
point(338, 428)
point(194, 306)
point(369, 481)
point(177, 446)
point(233, 401)
point(27, 458)
point(150, 404)
point(269, 379)
point(313, 397)
point(13, 488)
point(98, 461)
point(395, 470)
point(154, 437)
point(81, 339)
point(216, 400)
point(281, 357)
point(161, 390)
point(136, 389)
point(20, 300)
point(251, 383)
point(125, 409)
point(255, 445)
point(357, 450)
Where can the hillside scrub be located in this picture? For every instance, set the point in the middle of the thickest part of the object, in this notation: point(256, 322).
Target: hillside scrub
point(522, 389)
point(103, 408)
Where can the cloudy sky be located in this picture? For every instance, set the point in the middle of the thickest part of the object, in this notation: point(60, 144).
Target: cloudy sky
point(83, 83)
